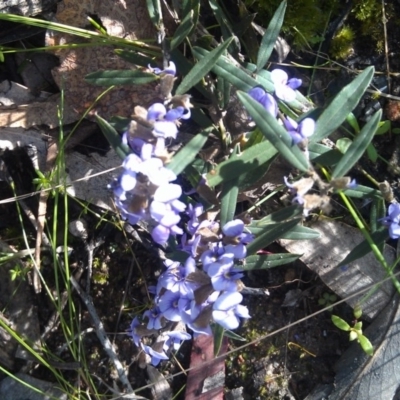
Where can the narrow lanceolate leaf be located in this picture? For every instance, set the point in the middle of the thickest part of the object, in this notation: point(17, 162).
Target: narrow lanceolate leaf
point(218, 332)
point(155, 13)
point(240, 164)
point(229, 195)
point(202, 68)
point(237, 76)
point(340, 107)
point(275, 133)
point(113, 138)
point(301, 233)
point(268, 261)
point(187, 154)
point(364, 247)
point(120, 77)
point(183, 30)
point(270, 36)
point(270, 233)
point(134, 57)
point(358, 147)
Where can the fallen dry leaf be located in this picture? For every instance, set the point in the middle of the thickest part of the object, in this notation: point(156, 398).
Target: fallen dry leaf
point(322, 255)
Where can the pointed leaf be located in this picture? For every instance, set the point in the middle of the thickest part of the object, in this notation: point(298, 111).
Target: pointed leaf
point(301, 233)
point(274, 132)
point(340, 323)
point(183, 31)
point(120, 77)
point(218, 332)
point(229, 195)
point(241, 164)
point(188, 153)
point(270, 36)
point(232, 335)
point(358, 147)
point(234, 74)
point(340, 107)
point(202, 68)
point(364, 248)
point(155, 13)
point(366, 345)
point(269, 234)
point(268, 261)
point(113, 138)
point(134, 57)
point(363, 192)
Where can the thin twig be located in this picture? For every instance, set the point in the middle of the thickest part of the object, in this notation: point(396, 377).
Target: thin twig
point(101, 334)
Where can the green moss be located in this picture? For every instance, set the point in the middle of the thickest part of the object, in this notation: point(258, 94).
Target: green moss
point(305, 20)
point(342, 43)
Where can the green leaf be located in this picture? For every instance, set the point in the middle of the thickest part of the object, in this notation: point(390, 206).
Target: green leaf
point(364, 248)
point(366, 345)
point(343, 144)
point(340, 107)
point(269, 234)
point(242, 163)
point(113, 138)
point(358, 147)
point(283, 214)
point(274, 132)
point(187, 154)
point(120, 77)
point(229, 195)
point(183, 31)
point(218, 332)
point(133, 57)
point(155, 13)
point(340, 323)
point(268, 261)
point(202, 68)
point(352, 121)
point(363, 192)
point(301, 233)
point(232, 335)
point(223, 21)
point(270, 36)
point(236, 75)
point(372, 153)
point(383, 127)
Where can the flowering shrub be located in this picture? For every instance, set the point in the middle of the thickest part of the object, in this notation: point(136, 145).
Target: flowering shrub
point(201, 285)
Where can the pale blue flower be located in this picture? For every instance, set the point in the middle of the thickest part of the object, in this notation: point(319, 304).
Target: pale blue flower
point(299, 131)
point(284, 87)
point(265, 99)
point(393, 220)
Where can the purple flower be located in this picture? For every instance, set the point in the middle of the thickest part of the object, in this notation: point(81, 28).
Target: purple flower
point(175, 339)
point(224, 275)
point(235, 238)
point(156, 356)
point(168, 304)
point(300, 131)
point(170, 70)
point(393, 220)
point(265, 99)
point(227, 310)
point(134, 332)
point(154, 315)
point(284, 88)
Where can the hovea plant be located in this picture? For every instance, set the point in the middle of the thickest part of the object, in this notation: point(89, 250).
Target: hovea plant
point(210, 252)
